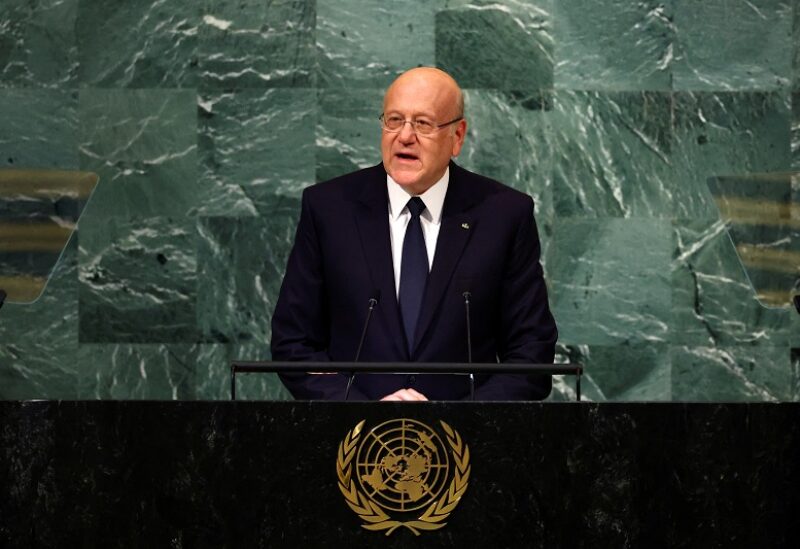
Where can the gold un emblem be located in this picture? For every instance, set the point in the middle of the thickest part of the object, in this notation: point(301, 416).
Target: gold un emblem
point(401, 473)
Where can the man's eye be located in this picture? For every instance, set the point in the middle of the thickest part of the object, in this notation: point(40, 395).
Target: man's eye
point(424, 124)
point(394, 120)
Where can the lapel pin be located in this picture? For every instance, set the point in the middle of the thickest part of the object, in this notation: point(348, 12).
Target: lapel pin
point(465, 225)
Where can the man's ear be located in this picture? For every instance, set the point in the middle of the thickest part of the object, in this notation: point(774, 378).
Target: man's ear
point(459, 134)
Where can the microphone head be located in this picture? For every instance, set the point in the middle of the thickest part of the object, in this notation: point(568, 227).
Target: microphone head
point(375, 298)
point(466, 295)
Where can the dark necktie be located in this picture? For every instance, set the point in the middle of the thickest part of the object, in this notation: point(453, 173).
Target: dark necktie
point(413, 271)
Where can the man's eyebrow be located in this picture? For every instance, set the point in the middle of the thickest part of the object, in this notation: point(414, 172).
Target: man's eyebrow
point(413, 115)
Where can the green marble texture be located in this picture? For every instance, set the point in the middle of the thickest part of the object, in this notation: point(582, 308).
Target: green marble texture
point(612, 154)
point(39, 128)
point(734, 46)
point(154, 44)
point(38, 43)
point(240, 268)
point(725, 134)
point(617, 372)
point(795, 145)
point(39, 341)
point(613, 287)
point(713, 303)
point(143, 145)
point(255, 44)
point(254, 146)
point(367, 44)
point(498, 45)
point(206, 120)
point(138, 280)
point(348, 132)
point(622, 46)
point(521, 155)
point(733, 373)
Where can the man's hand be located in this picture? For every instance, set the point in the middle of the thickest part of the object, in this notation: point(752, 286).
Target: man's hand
point(405, 394)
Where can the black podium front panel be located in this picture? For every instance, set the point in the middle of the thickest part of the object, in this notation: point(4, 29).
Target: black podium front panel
point(287, 474)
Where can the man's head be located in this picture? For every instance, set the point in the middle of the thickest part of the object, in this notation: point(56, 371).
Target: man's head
point(418, 161)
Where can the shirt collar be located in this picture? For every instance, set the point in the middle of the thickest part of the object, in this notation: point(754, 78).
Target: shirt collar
point(433, 198)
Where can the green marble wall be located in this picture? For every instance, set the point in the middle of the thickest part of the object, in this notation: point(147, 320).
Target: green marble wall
point(205, 120)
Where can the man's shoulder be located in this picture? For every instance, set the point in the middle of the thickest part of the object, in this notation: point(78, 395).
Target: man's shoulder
point(346, 186)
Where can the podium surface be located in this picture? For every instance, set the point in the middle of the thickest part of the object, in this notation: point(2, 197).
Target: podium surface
point(269, 474)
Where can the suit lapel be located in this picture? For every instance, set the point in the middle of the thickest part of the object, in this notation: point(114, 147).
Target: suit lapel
point(454, 233)
point(372, 219)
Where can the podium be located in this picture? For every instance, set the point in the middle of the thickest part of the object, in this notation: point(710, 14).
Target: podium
point(268, 474)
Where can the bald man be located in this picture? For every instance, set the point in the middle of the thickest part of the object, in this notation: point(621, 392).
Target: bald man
point(414, 237)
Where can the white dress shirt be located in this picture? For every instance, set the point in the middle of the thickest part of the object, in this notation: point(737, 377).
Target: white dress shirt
point(430, 219)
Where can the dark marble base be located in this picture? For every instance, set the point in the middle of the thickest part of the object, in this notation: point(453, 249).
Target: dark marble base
point(258, 474)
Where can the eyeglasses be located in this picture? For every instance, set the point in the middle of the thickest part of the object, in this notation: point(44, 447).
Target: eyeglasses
point(395, 123)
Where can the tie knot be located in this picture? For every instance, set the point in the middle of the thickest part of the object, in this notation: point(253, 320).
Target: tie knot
point(415, 206)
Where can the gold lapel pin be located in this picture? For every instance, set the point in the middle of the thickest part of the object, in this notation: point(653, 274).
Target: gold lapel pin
point(465, 225)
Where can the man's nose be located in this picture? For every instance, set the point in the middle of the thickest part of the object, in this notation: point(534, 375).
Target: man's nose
point(407, 133)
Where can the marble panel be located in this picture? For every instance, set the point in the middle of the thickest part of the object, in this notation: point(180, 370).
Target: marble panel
point(214, 381)
point(138, 372)
point(507, 140)
point(367, 44)
point(617, 373)
point(241, 262)
point(504, 45)
point(612, 154)
point(39, 341)
point(255, 145)
point(615, 45)
point(138, 280)
point(257, 44)
point(348, 134)
point(796, 45)
point(39, 128)
point(713, 303)
point(609, 280)
point(795, 139)
point(143, 144)
point(37, 43)
point(137, 43)
point(738, 373)
point(726, 46)
point(725, 133)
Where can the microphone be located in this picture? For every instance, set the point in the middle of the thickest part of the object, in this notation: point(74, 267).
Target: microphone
point(466, 295)
point(373, 301)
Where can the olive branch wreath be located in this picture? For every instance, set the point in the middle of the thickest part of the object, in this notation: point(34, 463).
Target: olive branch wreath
point(376, 518)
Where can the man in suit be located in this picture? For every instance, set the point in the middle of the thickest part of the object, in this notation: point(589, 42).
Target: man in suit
point(415, 233)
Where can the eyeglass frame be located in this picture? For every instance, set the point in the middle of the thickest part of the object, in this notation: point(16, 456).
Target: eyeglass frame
point(413, 122)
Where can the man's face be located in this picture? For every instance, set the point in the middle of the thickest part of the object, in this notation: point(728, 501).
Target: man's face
point(418, 161)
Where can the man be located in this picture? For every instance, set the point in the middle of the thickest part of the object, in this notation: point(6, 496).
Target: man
point(414, 234)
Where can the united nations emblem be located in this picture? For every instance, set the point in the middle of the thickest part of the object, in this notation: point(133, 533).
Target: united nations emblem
point(402, 467)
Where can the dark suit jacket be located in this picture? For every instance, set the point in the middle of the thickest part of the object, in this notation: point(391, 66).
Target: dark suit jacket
point(488, 245)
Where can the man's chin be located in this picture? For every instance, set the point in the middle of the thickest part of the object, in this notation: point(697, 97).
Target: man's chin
point(405, 178)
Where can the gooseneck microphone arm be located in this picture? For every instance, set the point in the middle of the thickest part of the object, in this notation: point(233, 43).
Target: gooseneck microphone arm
point(373, 301)
point(467, 297)
point(2, 297)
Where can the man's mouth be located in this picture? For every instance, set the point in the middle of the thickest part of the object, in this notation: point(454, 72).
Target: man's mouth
point(406, 156)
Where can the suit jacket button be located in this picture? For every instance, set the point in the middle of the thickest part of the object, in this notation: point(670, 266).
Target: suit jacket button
point(411, 380)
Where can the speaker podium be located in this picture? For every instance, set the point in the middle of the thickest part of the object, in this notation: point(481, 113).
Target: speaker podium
point(321, 474)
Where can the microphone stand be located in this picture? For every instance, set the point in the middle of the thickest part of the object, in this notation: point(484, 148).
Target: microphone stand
point(372, 303)
point(467, 296)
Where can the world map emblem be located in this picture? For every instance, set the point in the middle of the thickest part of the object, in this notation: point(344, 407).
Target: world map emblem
point(403, 473)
